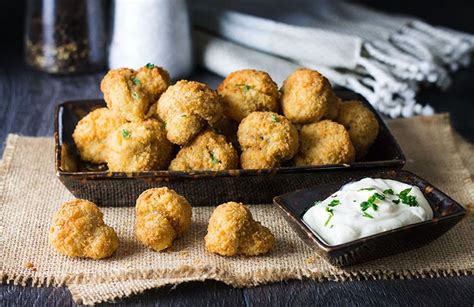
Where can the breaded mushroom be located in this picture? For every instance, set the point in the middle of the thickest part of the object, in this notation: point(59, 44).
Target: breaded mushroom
point(131, 93)
point(233, 231)
point(91, 132)
point(306, 96)
point(139, 146)
point(78, 230)
point(246, 91)
point(162, 215)
point(324, 142)
point(266, 139)
point(361, 123)
point(208, 151)
point(186, 108)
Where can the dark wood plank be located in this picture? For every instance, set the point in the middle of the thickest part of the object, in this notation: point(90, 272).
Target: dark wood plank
point(458, 291)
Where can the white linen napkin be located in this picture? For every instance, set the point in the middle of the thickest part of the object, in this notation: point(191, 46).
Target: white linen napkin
point(383, 57)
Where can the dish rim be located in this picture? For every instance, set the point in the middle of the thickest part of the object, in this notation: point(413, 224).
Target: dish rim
point(321, 244)
point(167, 174)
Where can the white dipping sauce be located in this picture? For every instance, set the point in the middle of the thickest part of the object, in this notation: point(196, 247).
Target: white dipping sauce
point(355, 211)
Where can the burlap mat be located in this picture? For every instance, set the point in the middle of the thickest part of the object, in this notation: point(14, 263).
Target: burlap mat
point(30, 192)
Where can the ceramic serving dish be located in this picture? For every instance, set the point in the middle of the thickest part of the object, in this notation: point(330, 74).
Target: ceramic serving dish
point(201, 187)
point(446, 211)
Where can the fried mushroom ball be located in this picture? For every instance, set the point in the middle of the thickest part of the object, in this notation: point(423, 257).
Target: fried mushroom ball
point(186, 108)
point(162, 215)
point(306, 96)
point(208, 151)
point(233, 231)
point(91, 132)
point(246, 91)
point(139, 146)
point(361, 123)
point(266, 139)
point(324, 142)
point(131, 93)
point(78, 230)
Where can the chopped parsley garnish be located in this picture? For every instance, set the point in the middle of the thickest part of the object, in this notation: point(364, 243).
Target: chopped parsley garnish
point(135, 80)
point(396, 201)
point(388, 192)
point(149, 65)
point(409, 200)
point(214, 160)
point(334, 203)
point(244, 87)
point(135, 95)
point(164, 125)
point(365, 214)
point(370, 203)
point(331, 214)
point(367, 189)
point(126, 134)
point(275, 118)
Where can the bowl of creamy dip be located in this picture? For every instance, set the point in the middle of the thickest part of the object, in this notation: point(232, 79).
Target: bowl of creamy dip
point(369, 217)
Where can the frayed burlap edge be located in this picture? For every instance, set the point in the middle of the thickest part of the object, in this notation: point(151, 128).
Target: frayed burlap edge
point(202, 273)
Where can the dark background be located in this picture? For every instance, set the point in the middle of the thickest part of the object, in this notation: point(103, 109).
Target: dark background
point(27, 101)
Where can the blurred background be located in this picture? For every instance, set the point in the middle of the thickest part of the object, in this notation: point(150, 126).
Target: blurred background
point(20, 81)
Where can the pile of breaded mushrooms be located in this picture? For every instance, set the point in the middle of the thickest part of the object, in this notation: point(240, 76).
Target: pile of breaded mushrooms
point(247, 122)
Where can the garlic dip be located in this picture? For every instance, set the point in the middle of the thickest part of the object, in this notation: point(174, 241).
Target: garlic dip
point(367, 207)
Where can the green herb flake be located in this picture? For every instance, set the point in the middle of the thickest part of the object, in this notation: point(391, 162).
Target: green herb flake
point(135, 80)
point(365, 214)
point(389, 192)
point(149, 65)
point(367, 189)
point(135, 95)
point(334, 203)
point(126, 134)
point(244, 87)
point(406, 199)
point(331, 214)
point(275, 118)
point(396, 201)
point(214, 160)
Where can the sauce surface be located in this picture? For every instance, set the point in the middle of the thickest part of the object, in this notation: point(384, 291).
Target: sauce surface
point(367, 207)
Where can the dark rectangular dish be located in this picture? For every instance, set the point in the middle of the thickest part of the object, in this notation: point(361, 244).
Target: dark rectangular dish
point(202, 187)
point(446, 213)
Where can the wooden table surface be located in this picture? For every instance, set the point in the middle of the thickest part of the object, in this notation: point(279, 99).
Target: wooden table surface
point(27, 101)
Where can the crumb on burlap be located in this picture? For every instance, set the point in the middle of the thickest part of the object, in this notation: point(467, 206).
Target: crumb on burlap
point(311, 260)
point(184, 253)
point(30, 266)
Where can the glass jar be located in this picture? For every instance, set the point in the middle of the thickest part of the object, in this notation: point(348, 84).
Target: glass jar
point(66, 36)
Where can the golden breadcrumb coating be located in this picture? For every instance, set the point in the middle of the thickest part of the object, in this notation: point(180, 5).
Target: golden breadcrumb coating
point(306, 96)
point(246, 91)
point(266, 139)
point(91, 132)
point(186, 108)
point(208, 151)
point(233, 231)
point(162, 215)
point(324, 142)
point(361, 123)
point(139, 146)
point(131, 93)
point(78, 230)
